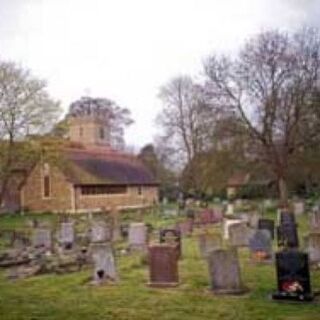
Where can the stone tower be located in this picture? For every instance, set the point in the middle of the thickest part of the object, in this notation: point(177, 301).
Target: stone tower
point(89, 130)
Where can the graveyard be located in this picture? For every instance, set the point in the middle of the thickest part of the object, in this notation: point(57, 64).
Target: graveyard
point(130, 292)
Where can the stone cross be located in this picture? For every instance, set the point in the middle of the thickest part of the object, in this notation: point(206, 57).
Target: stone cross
point(224, 271)
point(226, 224)
point(163, 265)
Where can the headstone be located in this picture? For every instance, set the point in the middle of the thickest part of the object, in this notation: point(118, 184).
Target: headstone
point(298, 208)
point(67, 235)
point(313, 247)
point(293, 276)
point(137, 235)
point(163, 264)
point(230, 209)
point(315, 220)
point(261, 246)
point(226, 224)
point(224, 271)
point(185, 227)
point(171, 237)
point(267, 224)
point(254, 220)
point(104, 263)
point(100, 232)
point(209, 242)
point(205, 216)
point(42, 238)
point(239, 234)
point(124, 230)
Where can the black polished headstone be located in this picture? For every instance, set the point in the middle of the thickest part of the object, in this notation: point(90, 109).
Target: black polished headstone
point(293, 276)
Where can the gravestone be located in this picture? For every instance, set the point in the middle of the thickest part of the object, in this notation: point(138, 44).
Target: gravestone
point(171, 237)
point(267, 224)
point(209, 242)
point(298, 208)
point(313, 247)
point(163, 265)
point(254, 220)
point(100, 232)
point(205, 216)
point(67, 235)
point(124, 230)
point(314, 220)
point(239, 234)
point(137, 235)
point(293, 276)
point(224, 271)
point(104, 263)
point(226, 224)
point(230, 209)
point(42, 238)
point(261, 245)
point(185, 227)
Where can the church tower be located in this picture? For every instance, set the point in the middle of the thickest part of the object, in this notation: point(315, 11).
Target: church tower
point(89, 130)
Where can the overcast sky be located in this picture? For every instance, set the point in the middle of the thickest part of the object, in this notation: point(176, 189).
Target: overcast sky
point(126, 49)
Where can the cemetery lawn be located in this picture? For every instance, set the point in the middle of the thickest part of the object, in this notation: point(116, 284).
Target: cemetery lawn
point(70, 297)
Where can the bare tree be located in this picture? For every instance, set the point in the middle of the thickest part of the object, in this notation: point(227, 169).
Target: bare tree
point(186, 119)
point(25, 108)
point(269, 86)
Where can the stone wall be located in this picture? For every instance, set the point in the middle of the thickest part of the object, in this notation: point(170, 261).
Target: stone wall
point(32, 195)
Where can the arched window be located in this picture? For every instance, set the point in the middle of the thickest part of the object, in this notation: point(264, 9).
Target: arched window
point(101, 133)
point(46, 181)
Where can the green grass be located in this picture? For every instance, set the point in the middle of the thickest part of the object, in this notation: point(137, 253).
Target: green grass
point(70, 297)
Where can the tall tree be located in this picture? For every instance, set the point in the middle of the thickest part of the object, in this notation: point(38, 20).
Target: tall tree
point(115, 117)
point(186, 119)
point(269, 86)
point(25, 108)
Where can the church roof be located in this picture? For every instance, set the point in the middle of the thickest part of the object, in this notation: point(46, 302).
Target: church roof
point(105, 166)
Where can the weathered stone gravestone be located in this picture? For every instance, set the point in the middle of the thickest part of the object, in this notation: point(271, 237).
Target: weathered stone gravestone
point(230, 209)
point(185, 227)
point(42, 238)
point(298, 208)
point(293, 276)
point(239, 234)
point(104, 263)
point(66, 237)
point(173, 238)
point(315, 220)
point(224, 271)
point(287, 233)
point(254, 220)
point(261, 246)
point(313, 247)
point(100, 232)
point(163, 265)
point(267, 224)
point(137, 235)
point(226, 224)
point(209, 242)
point(205, 216)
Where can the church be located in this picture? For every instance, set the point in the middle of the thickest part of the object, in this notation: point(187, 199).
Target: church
point(89, 176)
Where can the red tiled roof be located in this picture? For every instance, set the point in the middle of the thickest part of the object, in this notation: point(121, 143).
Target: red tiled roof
point(238, 180)
point(105, 166)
